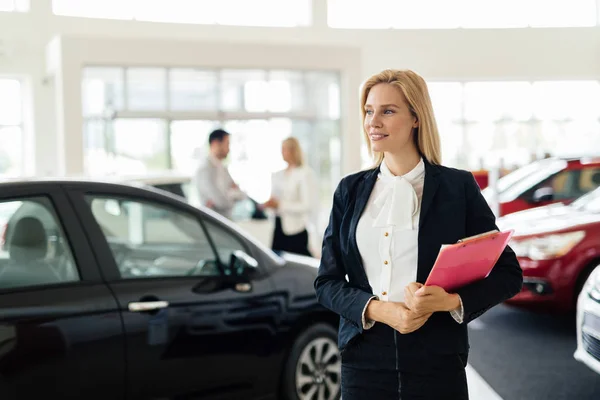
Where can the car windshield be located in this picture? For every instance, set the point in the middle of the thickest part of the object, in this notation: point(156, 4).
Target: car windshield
point(541, 172)
point(519, 174)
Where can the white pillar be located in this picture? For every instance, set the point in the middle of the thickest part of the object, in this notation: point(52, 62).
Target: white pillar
point(319, 13)
point(41, 146)
point(68, 110)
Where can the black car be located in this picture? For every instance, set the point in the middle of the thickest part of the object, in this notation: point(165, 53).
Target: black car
point(115, 292)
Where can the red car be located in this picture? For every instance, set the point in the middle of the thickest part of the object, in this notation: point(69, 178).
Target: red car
point(544, 182)
point(557, 246)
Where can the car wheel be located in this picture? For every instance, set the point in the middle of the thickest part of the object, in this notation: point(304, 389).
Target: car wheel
point(313, 370)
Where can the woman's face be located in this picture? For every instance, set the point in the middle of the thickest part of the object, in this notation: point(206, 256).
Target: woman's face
point(286, 153)
point(388, 121)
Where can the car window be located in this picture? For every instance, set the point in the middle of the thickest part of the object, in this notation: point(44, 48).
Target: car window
point(225, 242)
point(521, 173)
point(533, 180)
point(150, 240)
point(562, 185)
point(565, 185)
point(33, 247)
point(589, 179)
point(572, 184)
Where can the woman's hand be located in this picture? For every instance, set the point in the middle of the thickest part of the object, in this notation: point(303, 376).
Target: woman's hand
point(396, 315)
point(429, 299)
point(407, 320)
point(271, 203)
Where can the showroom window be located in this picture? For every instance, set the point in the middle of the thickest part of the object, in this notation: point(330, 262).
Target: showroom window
point(484, 124)
point(276, 13)
point(140, 120)
point(11, 128)
point(410, 14)
point(14, 5)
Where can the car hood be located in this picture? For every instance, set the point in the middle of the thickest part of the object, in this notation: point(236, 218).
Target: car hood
point(300, 260)
point(548, 219)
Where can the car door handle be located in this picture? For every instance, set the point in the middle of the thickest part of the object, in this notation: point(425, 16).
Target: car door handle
point(243, 287)
point(143, 306)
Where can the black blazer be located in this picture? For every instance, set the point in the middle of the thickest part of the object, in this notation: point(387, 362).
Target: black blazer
point(452, 208)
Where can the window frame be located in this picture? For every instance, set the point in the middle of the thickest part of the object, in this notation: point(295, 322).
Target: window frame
point(317, 119)
point(532, 145)
point(18, 6)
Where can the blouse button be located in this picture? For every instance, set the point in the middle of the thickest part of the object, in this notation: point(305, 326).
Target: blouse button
point(386, 234)
point(385, 262)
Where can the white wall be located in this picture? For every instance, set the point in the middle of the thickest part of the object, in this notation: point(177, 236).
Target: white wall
point(461, 54)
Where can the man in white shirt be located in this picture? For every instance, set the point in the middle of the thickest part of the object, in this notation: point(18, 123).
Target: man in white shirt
point(216, 188)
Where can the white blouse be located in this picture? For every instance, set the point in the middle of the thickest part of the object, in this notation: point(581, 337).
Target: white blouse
point(294, 189)
point(387, 234)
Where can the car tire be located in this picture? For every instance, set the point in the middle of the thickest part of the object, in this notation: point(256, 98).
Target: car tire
point(313, 368)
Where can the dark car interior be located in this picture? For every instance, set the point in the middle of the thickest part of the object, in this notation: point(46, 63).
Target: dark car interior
point(36, 249)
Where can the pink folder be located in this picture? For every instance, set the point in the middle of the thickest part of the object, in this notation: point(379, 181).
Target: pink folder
point(468, 261)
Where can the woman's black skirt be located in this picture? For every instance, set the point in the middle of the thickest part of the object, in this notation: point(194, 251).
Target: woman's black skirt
point(382, 364)
point(297, 243)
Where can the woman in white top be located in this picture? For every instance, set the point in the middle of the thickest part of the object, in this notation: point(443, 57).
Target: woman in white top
point(291, 198)
point(398, 338)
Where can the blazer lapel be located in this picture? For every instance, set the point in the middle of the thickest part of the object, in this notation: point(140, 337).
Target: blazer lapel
point(429, 188)
point(364, 190)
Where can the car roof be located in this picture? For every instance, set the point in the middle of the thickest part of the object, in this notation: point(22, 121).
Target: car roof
point(127, 180)
point(592, 161)
point(88, 183)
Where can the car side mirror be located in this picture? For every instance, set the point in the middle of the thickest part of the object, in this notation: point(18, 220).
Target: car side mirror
point(242, 265)
point(543, 194)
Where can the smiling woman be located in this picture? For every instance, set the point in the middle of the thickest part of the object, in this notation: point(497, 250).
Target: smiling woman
point(398, 337)
point(391, 105)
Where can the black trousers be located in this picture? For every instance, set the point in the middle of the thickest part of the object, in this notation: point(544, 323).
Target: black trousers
point(297, 243)
point(385, 365)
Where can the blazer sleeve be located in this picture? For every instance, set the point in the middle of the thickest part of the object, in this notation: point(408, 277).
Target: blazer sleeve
point(505, 279)
point(333, 290)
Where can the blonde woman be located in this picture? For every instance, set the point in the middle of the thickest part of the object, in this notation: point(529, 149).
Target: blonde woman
point(291, 198)
point(398, 338)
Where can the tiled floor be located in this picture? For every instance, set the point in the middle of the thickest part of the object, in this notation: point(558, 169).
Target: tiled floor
point(478, 388)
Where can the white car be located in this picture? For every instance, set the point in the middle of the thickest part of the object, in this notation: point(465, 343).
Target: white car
point(588, 322)
point(246, 213)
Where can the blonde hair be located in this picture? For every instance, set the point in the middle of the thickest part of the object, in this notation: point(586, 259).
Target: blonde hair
point(295, 149)
point(414, 88)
